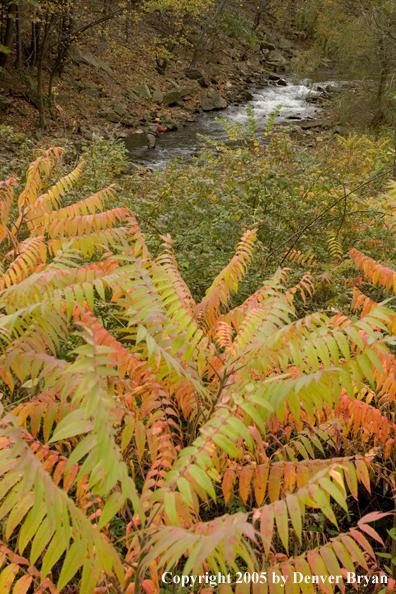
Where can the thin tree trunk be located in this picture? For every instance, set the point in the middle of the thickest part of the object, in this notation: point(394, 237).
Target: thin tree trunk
point(162, 63)
point(2, 24)
point(202, 40)
point(9, 34)
point(197, 51)
point(35, 43)
point(379, 115)
point(18, 61)
point(40, 98)
point(127, 28)
point(259, 13)
point(65, 43)
point(43, 52)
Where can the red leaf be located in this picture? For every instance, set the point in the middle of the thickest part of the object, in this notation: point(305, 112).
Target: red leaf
point(373, 517)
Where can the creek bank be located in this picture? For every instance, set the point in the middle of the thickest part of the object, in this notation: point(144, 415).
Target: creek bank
point(96, 96)
point(307, 122)
point(103, 108)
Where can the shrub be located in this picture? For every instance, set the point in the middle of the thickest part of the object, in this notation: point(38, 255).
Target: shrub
point(278, 188)
point(177, 435)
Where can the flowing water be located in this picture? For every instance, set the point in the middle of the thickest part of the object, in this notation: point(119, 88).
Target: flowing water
point(185, 142)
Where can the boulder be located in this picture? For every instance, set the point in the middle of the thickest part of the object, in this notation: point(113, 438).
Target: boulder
point(314, 99)
point(253, 62)
point(158, 96)
point(90, 59)
point(275, 66)
point(276, 57)
point(116, 119)
point(211, 99)
point(267, 45)
point(171, 84)
point(119, 109)
point(171, 97)
point(184, 106)
point(193, 73)
point(323, 123)
point(170, 124)
point(247, 95)
point(142, 90)
point(284, 44)
point(89, 88)
point(131, 96)
point(281, 82)
point(129, 123)
point(196, 74)
point(134, 168)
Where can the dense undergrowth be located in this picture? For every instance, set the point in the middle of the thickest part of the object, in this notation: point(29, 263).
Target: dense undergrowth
point(309, 207)
point(243, 424)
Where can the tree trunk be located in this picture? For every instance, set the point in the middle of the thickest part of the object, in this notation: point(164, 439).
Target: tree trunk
point(197, 51)
point(162, 63)
point(65, 42)
point(379, 115)
point(42, 54)
point(18, 61)
point(40, 98)
point(127, 27)
point(259, 13)
point(35, 43)
point(202, 40)
point(9, 34)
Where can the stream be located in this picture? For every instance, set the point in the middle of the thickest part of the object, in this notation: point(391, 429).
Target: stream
point(185, 142)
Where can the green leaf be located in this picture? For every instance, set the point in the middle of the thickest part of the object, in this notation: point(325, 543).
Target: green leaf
point(73, 424)
point(54, 552)
point(112, 506)
point(170, 507)
point(75, 558)
point(202, 479)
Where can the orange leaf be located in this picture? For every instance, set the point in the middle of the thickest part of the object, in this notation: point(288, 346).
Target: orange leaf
point(244, 482)
point(260, 483)
point(274, 483)
point(228, 481)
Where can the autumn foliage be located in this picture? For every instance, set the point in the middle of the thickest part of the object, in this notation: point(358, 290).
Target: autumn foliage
point(143, 432)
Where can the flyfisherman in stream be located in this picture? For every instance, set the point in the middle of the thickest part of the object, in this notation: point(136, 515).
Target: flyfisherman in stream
point(153, 133)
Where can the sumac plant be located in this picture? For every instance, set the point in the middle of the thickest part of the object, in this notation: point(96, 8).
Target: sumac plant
point(142, 432)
